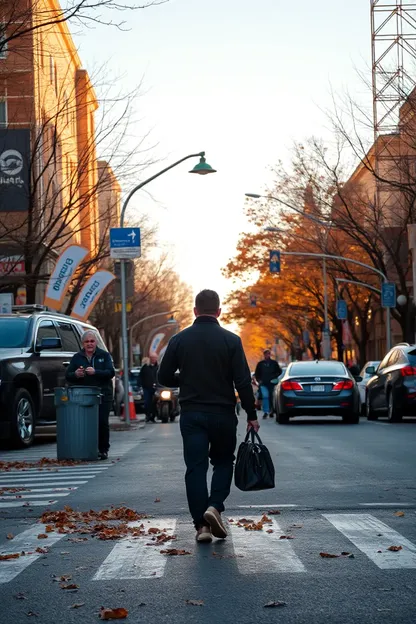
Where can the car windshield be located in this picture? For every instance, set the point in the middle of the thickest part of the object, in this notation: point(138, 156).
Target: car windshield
point(312, 368)
point(14, 332)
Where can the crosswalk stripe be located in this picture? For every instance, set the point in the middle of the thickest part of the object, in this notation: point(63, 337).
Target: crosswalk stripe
point(44, 471)
point(259, 552)
point(34, 483)
point(372, 536)
point(26, 541)
point(43, 477)
point(33, 495)
point(132, 559)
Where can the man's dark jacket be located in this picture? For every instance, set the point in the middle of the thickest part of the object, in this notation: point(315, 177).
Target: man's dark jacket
point(148, 375)
point(211, 364)
point(266, 370)
point(102, 362)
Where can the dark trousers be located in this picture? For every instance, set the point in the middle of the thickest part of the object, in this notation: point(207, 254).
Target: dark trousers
point(103, 426)
point(149, 407)
point(208, 436)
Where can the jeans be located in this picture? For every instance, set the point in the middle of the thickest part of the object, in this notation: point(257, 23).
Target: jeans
point(103, 426)
point(149, 408)
point(266, 398)
point(208, 436)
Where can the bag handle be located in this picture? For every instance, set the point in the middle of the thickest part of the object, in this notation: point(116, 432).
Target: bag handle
point(251, 432)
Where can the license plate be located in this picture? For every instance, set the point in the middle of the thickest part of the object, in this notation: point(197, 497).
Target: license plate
point(318, 388)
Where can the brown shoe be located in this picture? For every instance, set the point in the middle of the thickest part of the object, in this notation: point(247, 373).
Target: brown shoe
point(203, 535)
point(213, 517)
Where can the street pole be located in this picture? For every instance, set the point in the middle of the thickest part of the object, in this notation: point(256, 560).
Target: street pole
point(326, 342)
point(202, 168)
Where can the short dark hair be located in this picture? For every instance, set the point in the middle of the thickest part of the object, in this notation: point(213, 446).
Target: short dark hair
point(207, 302)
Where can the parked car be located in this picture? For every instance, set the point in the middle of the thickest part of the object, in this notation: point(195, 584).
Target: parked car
point(391, 390)
point(366, 373)
point(36, 346)
point(317, 388)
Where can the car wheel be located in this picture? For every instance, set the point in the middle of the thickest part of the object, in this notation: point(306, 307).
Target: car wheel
point(23, 419)
point(393, 415)
point(371, 415)
point(351, 419)
point(282, 419)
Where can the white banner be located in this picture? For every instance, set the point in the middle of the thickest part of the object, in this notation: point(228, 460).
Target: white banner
point(156, 342)
point(90, 293)
point(61, 277)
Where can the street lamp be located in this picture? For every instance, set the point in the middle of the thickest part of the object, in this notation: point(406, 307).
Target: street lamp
point(202, 168)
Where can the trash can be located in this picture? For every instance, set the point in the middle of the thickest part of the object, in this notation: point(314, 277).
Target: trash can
point(77, 422)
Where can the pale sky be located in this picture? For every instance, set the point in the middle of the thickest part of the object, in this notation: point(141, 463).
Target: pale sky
point(239, 79)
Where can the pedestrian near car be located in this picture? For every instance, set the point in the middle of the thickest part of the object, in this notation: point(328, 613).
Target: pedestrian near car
point(208, 364)
point(93, 366)
point(148, 380)
point(266, 371)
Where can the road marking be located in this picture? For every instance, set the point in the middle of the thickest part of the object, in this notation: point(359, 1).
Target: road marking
point(43, 477)
point(259, 552)
point(386, 504)
point(26, 504)
point(132, 559)
point(34, 483)
point(55, 470)
point(32, 495)
point(371, 536)
point(263, 506)
point(26, 541)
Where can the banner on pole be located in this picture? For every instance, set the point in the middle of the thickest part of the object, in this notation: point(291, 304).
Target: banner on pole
point(90, 293)
point(64, 271)
point(156, 342)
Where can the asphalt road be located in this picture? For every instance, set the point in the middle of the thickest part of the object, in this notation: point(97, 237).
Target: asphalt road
point(338, 489)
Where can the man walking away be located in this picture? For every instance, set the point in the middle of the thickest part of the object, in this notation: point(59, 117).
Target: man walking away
point(148, 380)
point(210, 361)
point(266, 370)
point(93, 366)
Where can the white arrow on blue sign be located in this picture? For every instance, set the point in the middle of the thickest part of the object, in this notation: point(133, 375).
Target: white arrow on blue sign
point(342, 310)
point(388, 295)
point(125, 243)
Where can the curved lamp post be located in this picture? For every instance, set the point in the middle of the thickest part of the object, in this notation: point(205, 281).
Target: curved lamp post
point(202, 168)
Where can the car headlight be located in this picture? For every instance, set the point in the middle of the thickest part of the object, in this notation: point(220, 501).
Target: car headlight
point(165, 394)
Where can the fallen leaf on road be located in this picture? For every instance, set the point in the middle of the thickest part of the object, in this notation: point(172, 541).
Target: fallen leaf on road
point(42, 536)
point(113, 614)
point(286, 537)
point(266, 519)
point(157, 500)
point(70, 586)
point(49, 528)
point(395, 548)
point(275, 603)
point(32, 613)
point(174, 551)
point(10, 556)
point(10, 536)
point(399, 514)
point(274, 512)
point(77, 605)
point(269, 531)
point(43, 551)
point(195, 603)
point(326, 555)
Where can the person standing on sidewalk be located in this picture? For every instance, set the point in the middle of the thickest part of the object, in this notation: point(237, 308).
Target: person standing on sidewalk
point(266, 371)
point(208, 364)
point(93, 366)
point(148, 380)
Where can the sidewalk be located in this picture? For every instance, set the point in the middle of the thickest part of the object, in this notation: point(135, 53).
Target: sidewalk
point(116, 424)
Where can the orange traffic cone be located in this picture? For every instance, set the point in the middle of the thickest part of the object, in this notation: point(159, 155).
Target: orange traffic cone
point(132, 409)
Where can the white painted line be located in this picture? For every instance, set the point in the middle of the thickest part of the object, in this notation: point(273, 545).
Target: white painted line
point(32, 495)
point(26, 541)
point(386, 504)
point(259, 552)
point(371, 535)
point(40, 478)
point(263, 506)
point(132, 559)
point(55, 470)
point(40, 489)
point(49, 483)
point(27, 504)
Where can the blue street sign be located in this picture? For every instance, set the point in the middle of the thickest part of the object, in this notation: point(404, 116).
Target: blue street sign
point(388, 295)
point(274, 264)
point(125, 243)
point(342, 310)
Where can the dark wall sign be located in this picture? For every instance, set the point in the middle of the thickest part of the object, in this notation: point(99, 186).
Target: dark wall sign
point(14, 170)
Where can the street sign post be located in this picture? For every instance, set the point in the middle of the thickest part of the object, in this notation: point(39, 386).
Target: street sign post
point(388, 295)
point(125, 243)
point(274, 263)
point(342, 310)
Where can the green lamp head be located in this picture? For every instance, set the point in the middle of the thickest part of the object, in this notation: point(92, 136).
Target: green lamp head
point(202, 168)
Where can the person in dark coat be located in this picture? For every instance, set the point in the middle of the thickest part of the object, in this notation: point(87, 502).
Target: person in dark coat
point(266, 370)
point(148, 380)
point(93, 366)
point(211, 365)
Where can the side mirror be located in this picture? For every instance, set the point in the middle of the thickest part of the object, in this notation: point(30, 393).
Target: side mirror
point(49, 343)
point(358, 378)
point(370, 370)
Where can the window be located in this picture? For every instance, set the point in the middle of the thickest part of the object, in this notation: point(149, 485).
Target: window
point(320, 368)
point(13, 332)
point(69, 339)
point(3, 113)
point(46, 329)
point(3, 42)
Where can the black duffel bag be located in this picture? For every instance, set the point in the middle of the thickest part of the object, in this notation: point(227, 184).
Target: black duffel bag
point(254, 468)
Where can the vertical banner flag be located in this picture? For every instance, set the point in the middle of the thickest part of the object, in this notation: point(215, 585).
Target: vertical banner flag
point(14, 170)
point(156, 342)
point(64, 271)
point(90, 293)
point(274, 264)
point(346, 333)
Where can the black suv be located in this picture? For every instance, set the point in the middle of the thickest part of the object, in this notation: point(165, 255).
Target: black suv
point(392, 389)
point(36, 346)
